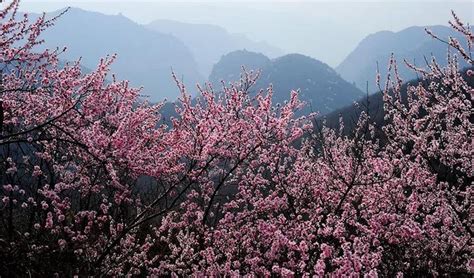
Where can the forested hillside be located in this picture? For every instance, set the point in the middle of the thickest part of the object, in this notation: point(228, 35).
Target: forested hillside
point(320, 87)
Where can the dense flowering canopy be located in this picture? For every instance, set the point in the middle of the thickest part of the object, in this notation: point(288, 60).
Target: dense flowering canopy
point(94, 182)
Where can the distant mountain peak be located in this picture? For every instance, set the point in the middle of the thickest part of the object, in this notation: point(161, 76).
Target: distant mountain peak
point(197, 36)
point(145, 57)
point(412, 44)
point(320, 86)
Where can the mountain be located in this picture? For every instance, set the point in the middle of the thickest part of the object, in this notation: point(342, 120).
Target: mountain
point(412, 44)
point(230, 65)
point(320, 86)
point(209, 42)
point(145, 57)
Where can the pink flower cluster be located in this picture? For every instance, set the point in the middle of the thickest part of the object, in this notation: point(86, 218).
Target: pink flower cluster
point(94, 178)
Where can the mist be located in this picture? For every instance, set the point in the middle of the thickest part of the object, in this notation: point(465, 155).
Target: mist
point(324, 30)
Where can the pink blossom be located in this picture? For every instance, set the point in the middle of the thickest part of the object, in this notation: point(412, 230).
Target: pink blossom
point(229, 187)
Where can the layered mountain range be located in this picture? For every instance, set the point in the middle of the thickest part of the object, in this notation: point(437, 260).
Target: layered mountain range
point(319, 85)
point(147, 55)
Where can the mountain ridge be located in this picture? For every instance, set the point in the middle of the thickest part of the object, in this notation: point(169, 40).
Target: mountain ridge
point(320, 86)
point(208, 42)
point(412, 44)
point(144, 57)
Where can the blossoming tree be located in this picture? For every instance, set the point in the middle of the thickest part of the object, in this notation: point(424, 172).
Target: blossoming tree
point(93, 182)
point(89, 171)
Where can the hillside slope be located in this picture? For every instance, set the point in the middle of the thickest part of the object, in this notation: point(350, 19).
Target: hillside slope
point(320, 86)
point(145, 57)
point(412, 44)
point(373, 104)
point(209, 42)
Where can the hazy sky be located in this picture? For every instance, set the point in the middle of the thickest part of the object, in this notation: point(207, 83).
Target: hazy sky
point(326, 30)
